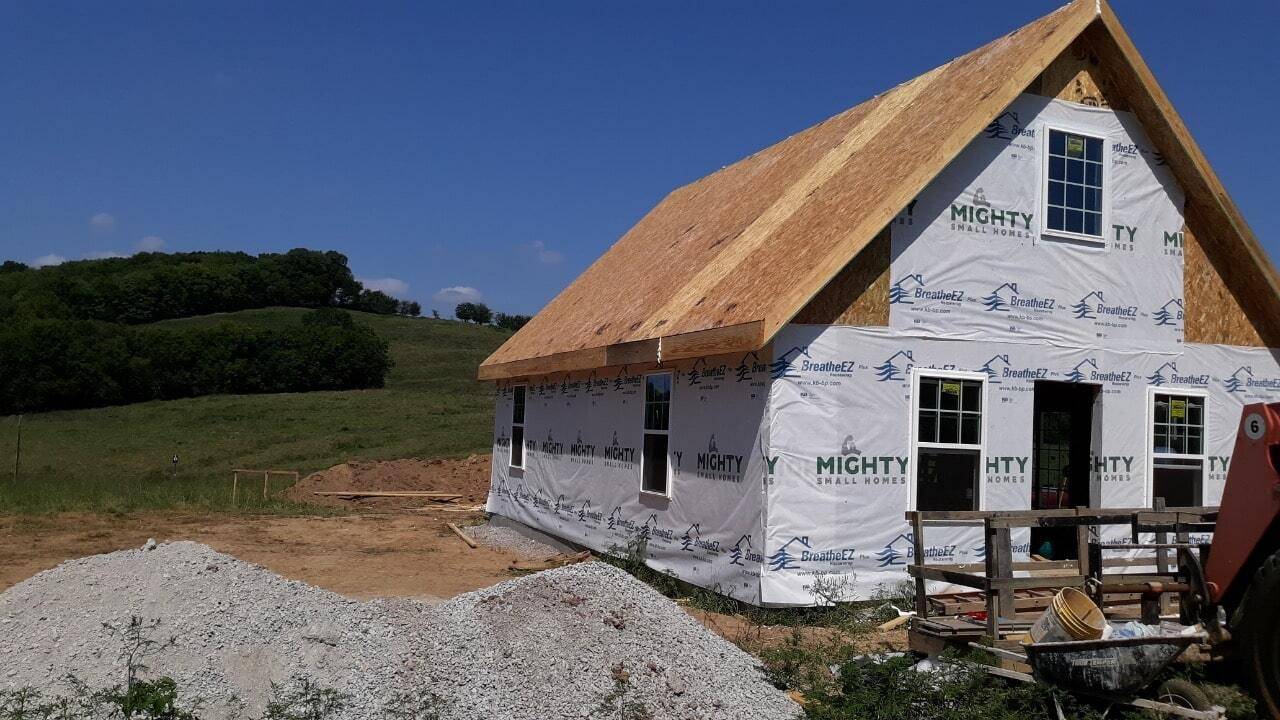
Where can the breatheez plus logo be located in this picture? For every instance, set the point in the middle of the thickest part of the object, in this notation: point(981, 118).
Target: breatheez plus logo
point(1087, 370)
point(1094, 306)
point(1244, 381)
point(900, 292)
point(742, 550)
point(1006, 298)
point(784, 365)
point(715, 465)
point(701, 372)
point(1007, 127)
point(1168, 314)
point(890, 370)
point(980, 217)
point(1237, 381)
point(625, 383)
point(692, 540)
point(1168, 373)
point(587, 516)
point(798, 551)
point(749, 368)
point(902, 548)
point(998, 369)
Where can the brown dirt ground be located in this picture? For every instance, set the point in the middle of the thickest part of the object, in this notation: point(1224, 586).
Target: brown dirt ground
point(360, 556)
point(390, 547)
point(469, 477)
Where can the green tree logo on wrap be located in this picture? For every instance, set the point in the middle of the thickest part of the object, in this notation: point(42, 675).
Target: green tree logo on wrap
point(995, 302)
point(899, 292)
point(742, 550)
point(1157, 378)
point(1006, 127)
point(783, 366)
point(1234, 383)
point(1167, 315)
point(889, 370)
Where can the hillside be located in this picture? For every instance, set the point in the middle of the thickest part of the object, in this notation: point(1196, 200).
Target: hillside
point(119, 458)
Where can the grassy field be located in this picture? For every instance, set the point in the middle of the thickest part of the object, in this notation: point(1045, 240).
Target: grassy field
point(119, 458)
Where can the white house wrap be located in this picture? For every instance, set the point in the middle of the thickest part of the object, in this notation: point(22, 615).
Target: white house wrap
point(1036, 329)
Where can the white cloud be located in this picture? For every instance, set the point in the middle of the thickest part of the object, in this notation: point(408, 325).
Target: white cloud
point(150, 243)
point(47, 261)
point(391, 286)
point(103, 255)
point(457, 294)
point(546, 256)
point(102, 221)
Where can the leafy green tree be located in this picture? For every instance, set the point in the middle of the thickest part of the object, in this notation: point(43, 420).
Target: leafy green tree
point(511, 322)
point(478, 313)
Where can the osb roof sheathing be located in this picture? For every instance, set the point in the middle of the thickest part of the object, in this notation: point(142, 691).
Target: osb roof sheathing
point(722, 264)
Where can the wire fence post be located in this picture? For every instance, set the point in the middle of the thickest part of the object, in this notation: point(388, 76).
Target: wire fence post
point(17, 455)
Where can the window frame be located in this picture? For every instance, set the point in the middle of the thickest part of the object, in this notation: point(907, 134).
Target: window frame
point(1095, 242)
point(915, 444)
point(523, 425)
point(1149, 487)
point(644, 431)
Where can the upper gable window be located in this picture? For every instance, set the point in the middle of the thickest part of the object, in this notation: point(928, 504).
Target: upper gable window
point(1073, 187)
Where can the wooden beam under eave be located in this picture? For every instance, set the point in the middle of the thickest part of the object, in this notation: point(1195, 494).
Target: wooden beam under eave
point(560, 362)
point(743, 337)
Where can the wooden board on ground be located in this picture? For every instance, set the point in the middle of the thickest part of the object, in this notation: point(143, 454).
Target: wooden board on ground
point(465, 537)
point(554, 561)
point(435, 496)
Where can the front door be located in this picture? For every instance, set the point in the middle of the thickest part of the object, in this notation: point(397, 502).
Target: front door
point(1062, 432)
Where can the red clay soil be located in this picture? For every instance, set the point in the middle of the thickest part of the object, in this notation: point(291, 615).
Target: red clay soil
point(468, 477)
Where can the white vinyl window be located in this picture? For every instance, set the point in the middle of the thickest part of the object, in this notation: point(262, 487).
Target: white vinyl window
point(947, 439)
point(1073, 186)
point(655, 470)
point(1176, 446)
point(517, 426)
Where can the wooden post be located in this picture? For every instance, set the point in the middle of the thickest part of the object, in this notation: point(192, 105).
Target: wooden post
point(1082, 547)
point(993, 595)
point(917, 550)
point(17, 455)
point(1004, 567)
point(235, 480)
point(1162, 558)
point(266, 475)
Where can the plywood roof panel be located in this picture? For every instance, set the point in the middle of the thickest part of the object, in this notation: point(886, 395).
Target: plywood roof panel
point(722, 264)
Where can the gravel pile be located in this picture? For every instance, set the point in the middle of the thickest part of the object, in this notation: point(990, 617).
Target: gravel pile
point(544, 646)
point(507, 538)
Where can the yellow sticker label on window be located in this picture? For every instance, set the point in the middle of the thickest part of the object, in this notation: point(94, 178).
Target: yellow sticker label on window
point(951, 388)
point(1178, 408)
point(1075, 146)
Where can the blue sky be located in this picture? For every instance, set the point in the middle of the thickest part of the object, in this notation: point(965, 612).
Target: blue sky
point(499, 147)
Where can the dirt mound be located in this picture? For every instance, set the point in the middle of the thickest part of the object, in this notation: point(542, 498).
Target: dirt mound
point(468, 477)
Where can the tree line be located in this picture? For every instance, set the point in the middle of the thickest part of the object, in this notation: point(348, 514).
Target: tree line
point(60, 364)
point(480, 314)
point(148, 287)
point(78, 334)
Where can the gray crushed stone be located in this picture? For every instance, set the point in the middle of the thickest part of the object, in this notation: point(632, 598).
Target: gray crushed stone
point(505, 538)
point(541, 647)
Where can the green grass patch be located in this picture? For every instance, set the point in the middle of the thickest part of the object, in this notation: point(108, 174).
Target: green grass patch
point(118, 459)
